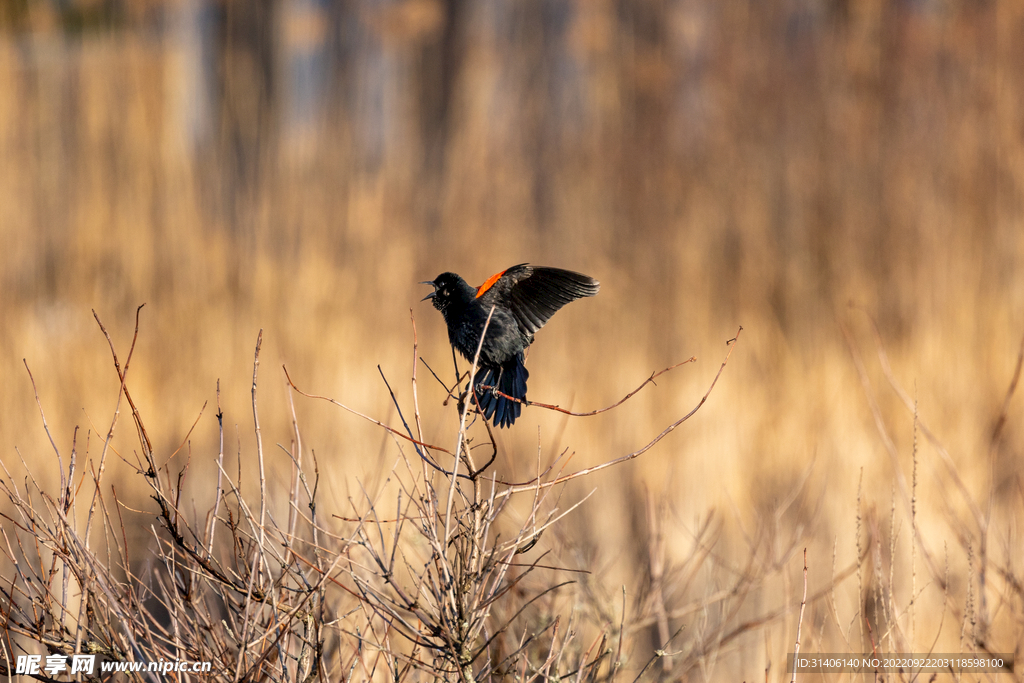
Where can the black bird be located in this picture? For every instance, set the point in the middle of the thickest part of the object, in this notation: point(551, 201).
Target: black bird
point(524, 297)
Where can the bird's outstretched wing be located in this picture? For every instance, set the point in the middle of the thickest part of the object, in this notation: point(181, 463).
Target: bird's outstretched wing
point(535, 293)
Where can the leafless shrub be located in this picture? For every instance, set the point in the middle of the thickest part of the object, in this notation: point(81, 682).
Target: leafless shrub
point(430, 577)
point(251, 600)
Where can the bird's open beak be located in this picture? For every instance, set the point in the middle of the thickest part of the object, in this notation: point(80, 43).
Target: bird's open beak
point(432, 294)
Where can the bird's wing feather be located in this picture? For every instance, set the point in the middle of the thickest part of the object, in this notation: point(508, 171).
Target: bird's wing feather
point(535, 293)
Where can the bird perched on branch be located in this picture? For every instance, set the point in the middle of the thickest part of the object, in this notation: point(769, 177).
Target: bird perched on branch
point(523, 297)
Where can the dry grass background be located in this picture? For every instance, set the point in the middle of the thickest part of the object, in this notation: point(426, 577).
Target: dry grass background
point(712, 164)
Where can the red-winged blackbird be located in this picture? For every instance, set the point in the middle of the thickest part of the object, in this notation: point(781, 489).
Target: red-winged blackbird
point(524, 297)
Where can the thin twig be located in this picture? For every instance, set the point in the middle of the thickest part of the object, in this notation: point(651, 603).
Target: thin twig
point(380, 424)
point(800, 621)
point(548, 406)
point(516, 488)
point(462, 430)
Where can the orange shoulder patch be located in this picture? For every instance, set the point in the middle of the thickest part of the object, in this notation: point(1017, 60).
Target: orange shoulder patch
point(482, 289)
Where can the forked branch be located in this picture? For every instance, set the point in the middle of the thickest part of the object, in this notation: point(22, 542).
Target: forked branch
point(533, 483)
point(549, 406)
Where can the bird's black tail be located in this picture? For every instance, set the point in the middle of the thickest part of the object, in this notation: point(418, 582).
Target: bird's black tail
point(509, 379)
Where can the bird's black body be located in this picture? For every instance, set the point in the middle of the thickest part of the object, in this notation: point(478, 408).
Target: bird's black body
point(524, 298)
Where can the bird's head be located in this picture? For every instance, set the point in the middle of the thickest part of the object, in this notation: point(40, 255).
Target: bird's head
point(447, 288)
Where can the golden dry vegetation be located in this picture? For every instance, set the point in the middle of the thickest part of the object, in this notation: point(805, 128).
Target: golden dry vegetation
point(805, 170)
